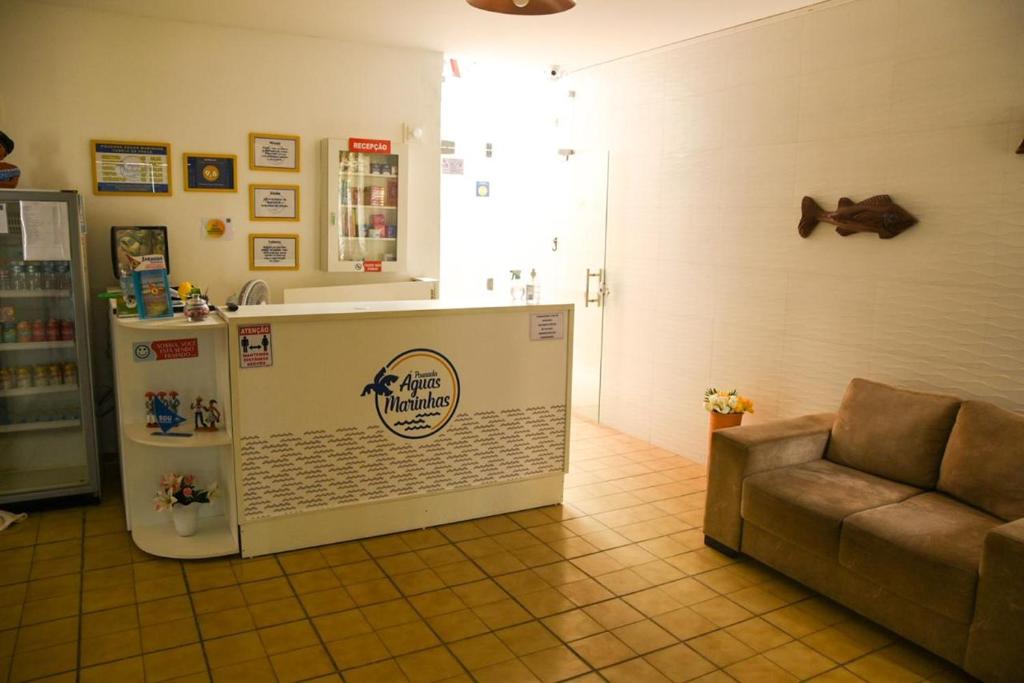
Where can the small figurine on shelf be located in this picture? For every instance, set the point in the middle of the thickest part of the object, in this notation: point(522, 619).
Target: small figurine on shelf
point(9, 173)
point(150, 414)
point(197, 413)
point(211, 416)
point(173, 402)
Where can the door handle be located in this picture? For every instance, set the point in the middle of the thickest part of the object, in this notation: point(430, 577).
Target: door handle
point(601, 290)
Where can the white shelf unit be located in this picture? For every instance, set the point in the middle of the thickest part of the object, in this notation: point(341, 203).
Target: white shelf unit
point(146, 456)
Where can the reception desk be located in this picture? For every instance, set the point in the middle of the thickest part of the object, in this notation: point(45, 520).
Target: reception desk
point(356, 419)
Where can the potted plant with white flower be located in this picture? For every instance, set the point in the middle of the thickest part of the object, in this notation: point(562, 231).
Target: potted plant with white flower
point(725, 409)
point(182, 495)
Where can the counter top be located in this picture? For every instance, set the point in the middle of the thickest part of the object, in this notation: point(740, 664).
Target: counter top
point(377, 308)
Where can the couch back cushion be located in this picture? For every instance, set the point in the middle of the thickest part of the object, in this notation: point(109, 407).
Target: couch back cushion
point(984, 461)
point(893, 433)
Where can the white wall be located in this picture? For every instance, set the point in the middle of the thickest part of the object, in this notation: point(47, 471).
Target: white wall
point(714, 142)
point(76, 74)
point(81, 74)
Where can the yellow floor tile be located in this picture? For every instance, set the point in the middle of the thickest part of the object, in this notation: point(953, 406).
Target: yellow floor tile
point(47, 661)
point(243, 647)
point(428, 666)
point(527, 638)
point(481, 651)
point(387, 671)
point(679, 663)
point(555, 664)
point(251, 671)
point(601, 650)
point(171, 664)
point(298, 665)
point(760, 669)
point(111, 647)
point(799, 660)
point(644, 636)
point(276, 612)
point(294, 635)
point(168, 634)
point(457, 625)
point(407, 638)
point(123, 671)
point(634, 671)
point(43, 635)
point(356, 651)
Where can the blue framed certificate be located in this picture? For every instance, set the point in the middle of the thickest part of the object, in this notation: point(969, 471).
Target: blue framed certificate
point(131, 168)
point(210, 172)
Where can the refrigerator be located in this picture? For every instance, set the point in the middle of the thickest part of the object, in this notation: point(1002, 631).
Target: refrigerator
point(48, 445)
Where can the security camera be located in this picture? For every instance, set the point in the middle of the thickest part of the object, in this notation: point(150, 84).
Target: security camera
point(555, 72)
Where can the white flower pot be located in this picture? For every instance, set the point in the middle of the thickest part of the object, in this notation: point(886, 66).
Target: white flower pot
point(186, 518)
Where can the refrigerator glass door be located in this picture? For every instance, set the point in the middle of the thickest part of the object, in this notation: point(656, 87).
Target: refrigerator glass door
point(47, 445)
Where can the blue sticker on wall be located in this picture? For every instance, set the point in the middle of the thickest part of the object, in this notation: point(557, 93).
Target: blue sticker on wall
point(483, 188)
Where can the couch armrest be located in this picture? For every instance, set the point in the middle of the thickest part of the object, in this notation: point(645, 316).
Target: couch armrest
point(994, 648)
point(739, 452)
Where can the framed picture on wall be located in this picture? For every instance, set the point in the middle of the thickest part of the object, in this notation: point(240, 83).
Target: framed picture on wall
point(273, 202)
point(210, 172)
point(272, 251)
point(273, 152)
point(122, 167)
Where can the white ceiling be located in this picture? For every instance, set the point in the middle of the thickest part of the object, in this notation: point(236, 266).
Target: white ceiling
point(594, 31)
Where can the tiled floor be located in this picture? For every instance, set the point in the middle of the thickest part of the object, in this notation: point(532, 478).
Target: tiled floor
point(614, 585)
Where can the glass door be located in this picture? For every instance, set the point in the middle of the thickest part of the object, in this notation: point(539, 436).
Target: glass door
point(578, 266)
point(47, 445)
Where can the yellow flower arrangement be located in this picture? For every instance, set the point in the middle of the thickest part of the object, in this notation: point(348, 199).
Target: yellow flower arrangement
point(726, 402)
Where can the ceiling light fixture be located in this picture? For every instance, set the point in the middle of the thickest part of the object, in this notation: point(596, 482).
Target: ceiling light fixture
point(526, 7)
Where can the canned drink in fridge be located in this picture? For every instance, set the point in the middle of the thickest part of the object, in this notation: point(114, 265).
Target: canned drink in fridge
point(70, 373)
point(40, 376)
point(24, 331)
point(53, 373)
point(67, 330)
point(7, 380)
point(24, 378)
point(38, 331)
point(52, 330)
point(10, 332)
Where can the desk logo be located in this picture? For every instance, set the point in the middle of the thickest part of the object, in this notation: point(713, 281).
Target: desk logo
point(416, 393)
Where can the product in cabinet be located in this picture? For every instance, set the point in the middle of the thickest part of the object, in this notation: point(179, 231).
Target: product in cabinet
point(7, 314)
point(392, 193)
point(374, 195)
point(67, 330)
point(10, 333)
point(24, 378)
point(52, 330)
point(7, 379)
point(69, 373)
point(38, 331)
point(24, 331)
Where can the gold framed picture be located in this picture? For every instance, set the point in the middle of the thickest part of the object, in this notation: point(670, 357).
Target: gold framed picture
point(274, 152)
point(273, 251)
point(125, 167)
point(210, 172)
point(273, 202)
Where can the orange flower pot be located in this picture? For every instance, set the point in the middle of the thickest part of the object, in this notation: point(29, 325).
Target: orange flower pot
point(718, 421)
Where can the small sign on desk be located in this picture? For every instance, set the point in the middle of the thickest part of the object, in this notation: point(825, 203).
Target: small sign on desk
point(254, 344)
point(544, 326)
point(165, 349)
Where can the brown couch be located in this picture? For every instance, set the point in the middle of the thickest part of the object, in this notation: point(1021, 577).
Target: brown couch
point(906, 507)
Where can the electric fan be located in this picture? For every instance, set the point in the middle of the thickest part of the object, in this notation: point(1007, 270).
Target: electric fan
point(253, 293)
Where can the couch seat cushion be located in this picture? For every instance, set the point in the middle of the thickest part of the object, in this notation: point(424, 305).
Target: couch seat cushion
point(894, 433)
point(926, 549)
point(984, 461)
point(806, 504)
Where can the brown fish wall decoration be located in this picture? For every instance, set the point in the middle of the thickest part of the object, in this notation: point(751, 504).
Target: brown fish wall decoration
point(878, 214)
point(1020, 150)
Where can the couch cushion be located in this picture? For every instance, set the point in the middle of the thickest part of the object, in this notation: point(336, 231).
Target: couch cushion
point(925, 549)
point(894, 433)
point(984, 461)
point(806, 504)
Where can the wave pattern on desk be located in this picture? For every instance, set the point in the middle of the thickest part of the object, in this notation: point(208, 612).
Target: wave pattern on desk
point(287, 473)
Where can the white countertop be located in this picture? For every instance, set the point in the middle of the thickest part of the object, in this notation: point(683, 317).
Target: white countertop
point(356, 308)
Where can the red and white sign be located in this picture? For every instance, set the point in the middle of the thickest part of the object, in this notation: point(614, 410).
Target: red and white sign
point(371, 266)
point(165, 349)
point(368, 145)
point(255, 346)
